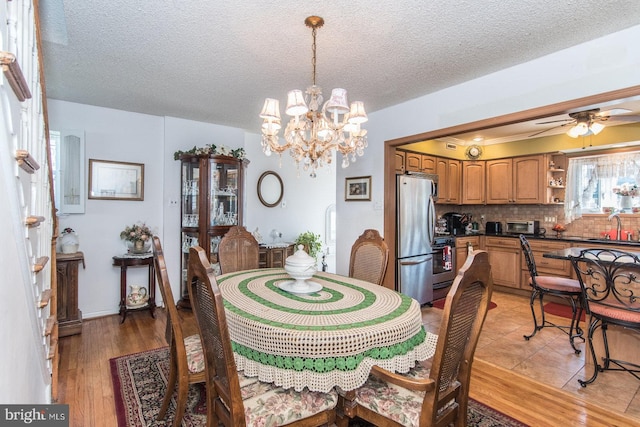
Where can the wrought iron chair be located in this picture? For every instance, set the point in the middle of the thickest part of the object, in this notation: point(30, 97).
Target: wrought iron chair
point(186, 359)
point(263, 403)
point(369, 257)
point(561, 287)
point(238, 250)
point(437, 396)
point(610, 280)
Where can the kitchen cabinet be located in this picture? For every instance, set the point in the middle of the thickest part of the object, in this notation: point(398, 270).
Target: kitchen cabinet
point(211, 202)
point(449, 174)
point(400, 161)
point(504, 257)
point(463, 244)
point(545, 266)
point(417, 162)
point(518, 180)
point(274, 257)
point(473, 182)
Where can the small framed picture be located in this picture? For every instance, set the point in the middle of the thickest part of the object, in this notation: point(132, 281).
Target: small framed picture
point(357, 188)
point(109, 180)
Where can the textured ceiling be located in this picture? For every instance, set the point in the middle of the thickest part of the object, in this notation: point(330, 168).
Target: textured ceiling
point(216, 61)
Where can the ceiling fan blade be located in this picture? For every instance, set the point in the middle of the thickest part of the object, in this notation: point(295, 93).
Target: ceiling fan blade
point(631, 118)
point(556, 121)
point(546, 130)
point(613, 112)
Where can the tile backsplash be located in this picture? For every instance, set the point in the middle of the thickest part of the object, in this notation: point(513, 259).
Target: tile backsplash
point(588, 226)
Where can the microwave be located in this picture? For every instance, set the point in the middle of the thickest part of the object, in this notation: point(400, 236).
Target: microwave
point(523, 227)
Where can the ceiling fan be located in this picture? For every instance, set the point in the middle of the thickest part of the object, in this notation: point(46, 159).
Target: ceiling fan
point(589, 122)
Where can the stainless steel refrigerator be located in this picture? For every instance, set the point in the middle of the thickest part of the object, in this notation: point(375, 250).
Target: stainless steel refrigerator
point(422, 259)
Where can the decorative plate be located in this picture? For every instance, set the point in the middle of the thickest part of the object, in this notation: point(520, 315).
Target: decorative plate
point(473, 152)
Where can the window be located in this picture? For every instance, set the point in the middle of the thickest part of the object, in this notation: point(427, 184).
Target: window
point(67, 154)
point(602, 184)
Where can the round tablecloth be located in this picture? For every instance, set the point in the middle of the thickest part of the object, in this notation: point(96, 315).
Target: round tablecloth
point(321, 340)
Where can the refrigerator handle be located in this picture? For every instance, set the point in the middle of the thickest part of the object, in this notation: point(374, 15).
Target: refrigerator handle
point(431, 220)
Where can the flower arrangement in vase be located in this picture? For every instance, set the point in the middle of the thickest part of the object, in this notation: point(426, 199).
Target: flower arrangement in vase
point(138, 238)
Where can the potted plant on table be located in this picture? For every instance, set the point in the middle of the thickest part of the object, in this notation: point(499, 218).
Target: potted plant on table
point(311, 242)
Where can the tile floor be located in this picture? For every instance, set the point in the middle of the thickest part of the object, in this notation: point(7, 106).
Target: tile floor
point(547, 357)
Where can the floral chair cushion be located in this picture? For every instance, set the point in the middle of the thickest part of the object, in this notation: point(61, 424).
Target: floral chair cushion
point(396, 403)
point(268, 405)
point(195, 356)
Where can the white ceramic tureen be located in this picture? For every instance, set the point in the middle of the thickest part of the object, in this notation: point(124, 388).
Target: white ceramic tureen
point(301, 267)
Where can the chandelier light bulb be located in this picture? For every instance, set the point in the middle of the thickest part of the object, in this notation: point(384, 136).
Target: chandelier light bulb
point(316, 129)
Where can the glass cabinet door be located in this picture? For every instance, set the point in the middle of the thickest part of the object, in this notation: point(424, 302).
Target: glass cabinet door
point(190, 194)
point(223, 189)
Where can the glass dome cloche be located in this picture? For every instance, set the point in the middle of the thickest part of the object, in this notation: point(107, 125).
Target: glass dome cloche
point(68, 241)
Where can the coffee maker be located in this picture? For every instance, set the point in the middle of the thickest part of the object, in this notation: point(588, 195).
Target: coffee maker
point(455, 223)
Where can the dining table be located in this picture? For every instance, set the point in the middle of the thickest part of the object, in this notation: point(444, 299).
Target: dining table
point(324, 339)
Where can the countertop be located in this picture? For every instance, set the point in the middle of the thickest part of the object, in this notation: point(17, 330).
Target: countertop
point(573, 239)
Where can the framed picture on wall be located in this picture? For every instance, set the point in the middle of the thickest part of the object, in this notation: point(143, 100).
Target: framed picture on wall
point(357, 188)
point(109, 180)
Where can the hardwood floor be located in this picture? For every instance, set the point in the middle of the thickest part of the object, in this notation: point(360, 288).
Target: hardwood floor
point(85, 379)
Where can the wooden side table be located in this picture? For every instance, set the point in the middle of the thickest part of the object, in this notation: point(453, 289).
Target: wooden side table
point(68, 314)
point(125, 261)
point(274, 257)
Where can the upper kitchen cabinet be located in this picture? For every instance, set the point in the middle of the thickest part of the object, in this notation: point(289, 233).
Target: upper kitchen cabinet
point(449, 174)
point(416, 162)
point(400, 161)
point(473, 183)
point(516, 180)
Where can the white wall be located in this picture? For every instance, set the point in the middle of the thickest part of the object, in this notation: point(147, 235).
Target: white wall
point(602, 65)
point(132, 137)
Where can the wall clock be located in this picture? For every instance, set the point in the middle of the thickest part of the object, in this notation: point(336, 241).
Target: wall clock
point(473, 152)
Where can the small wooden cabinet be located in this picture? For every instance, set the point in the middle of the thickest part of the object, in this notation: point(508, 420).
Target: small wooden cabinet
point(400, 161)
point(504, 257)
point(449, 173)
point(68, 313)
point(417, 162)
point(270, 257)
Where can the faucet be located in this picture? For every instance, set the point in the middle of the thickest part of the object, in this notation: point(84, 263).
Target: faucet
point(618, 227)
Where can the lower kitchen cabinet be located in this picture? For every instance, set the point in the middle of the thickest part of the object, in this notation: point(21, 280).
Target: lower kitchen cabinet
point(462, 248)
point(504, 257)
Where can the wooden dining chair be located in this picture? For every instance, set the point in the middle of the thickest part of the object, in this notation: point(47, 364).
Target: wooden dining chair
point(238, 250)
point(186, 359)
point(435, 396)
point(369, 257)
point(562, 287)
point(610, 280)
point(232, 399)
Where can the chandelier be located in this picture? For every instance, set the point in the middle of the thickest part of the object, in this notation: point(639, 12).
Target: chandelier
point(315, 129)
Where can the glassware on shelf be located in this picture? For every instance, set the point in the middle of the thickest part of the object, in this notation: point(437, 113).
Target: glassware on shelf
point(188, 242)
point(190, 220)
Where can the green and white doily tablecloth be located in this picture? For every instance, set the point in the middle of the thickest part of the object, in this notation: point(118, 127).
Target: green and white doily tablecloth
point(321, 340)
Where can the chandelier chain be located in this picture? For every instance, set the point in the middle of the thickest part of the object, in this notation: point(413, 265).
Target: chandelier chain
point(313, 58)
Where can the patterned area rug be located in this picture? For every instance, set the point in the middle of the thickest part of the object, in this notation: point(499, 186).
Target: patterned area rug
point(139, 382)
point(560, 310)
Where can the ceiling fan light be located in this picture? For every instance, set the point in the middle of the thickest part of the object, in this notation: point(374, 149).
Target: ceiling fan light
point(578, 130)
point(596, 128)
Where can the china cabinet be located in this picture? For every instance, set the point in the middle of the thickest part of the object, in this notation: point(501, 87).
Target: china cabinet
point(211, 202)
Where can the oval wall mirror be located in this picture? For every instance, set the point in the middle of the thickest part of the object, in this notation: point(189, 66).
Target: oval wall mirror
point(270, 189)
